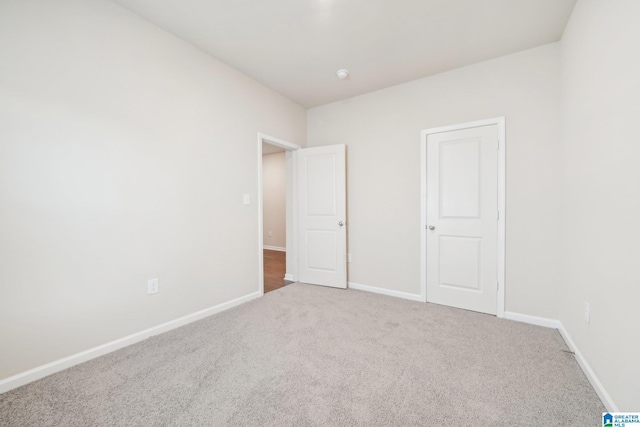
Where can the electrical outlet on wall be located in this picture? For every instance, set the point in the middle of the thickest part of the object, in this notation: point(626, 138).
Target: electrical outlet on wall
point(152, 286)
point(270, 233)
point(348, 257)
point(587, 313)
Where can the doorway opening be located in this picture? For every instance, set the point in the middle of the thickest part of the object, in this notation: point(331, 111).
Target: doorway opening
point(277, 218)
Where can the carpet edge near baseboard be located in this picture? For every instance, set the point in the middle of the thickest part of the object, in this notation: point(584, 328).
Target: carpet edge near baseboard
point(50, 368)
point(582, 362)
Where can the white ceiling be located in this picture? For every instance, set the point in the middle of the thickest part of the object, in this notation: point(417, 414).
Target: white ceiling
point(296, 46)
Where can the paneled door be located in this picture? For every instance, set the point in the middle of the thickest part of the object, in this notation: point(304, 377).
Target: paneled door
point(322, 246)
point(462, 218)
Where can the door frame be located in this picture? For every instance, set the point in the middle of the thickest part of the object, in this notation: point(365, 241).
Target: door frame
point(291, 210)
point(500, 122)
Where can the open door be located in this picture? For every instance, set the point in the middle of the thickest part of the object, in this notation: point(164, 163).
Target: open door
point(322, 207)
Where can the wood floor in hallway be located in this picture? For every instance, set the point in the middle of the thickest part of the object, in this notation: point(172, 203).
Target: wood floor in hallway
point(275, 267)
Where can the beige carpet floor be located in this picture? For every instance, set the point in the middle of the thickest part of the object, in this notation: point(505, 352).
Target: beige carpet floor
point(313, 356)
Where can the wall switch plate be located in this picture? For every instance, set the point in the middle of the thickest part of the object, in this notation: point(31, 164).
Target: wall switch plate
point(247, 199)
point(587, 313)
point(152, 286)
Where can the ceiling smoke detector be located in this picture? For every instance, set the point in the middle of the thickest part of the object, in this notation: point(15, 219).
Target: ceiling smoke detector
point(342, 74)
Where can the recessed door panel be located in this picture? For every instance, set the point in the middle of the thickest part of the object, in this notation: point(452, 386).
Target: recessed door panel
point(460, 262)
point(460, 178)
point(321, 185)
point(321, 250)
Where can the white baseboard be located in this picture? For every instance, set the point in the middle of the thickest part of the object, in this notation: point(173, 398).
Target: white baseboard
point(75, 359)
point(383, 291)
point(533, 320)
point(289, 277)
point(582, 362)
point(591, 376)
point(274, 248)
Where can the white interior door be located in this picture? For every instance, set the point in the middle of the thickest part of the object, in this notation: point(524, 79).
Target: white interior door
point(462, 218)
point(322, 248)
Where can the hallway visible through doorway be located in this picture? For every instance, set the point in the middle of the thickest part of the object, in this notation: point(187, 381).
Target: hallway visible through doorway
point(274, 270)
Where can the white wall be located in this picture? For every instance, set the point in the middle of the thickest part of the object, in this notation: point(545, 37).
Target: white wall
point(124, 156)
point(382, 133)
point(274, 199)
point(601, 89)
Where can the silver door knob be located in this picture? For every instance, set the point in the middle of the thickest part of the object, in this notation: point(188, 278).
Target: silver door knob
point(431, 227)
point(341, 223)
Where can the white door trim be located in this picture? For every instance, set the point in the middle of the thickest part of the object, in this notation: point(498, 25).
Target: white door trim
point(500, 122)
point(292, 214)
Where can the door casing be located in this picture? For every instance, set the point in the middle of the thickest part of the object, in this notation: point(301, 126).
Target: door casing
point(500, 122)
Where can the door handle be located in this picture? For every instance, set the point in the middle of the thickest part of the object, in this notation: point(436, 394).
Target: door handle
point(340, 223)
point(431, 227)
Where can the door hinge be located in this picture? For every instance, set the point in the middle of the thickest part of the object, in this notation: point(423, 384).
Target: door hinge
point(498, 215)
point(497, 286)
